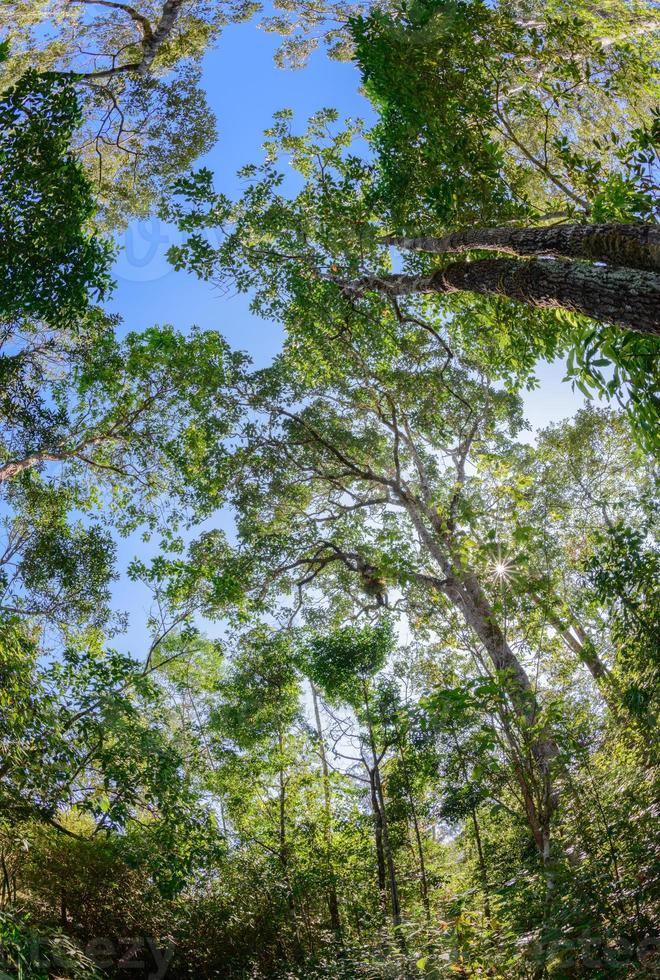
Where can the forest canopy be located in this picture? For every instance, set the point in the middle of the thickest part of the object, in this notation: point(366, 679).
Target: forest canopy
point(330, 664)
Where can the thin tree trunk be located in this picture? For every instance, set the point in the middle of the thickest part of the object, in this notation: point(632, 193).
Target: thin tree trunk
point(634, 246)
point(483, 873)
point(5, 896)
point(624, 297)
point(482, 868)
point(424, 884)
point(284, 847)
point(387, 849)
point(333, 903)
point(418, 836)
point(378, 834)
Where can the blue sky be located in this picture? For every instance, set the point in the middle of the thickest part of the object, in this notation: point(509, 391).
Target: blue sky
point(244, 89)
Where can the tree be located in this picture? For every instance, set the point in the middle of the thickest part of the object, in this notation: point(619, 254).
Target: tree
point(263, 770)
point(504, 313)
point(468, 787)
point(623, 576)
point(304, 25)
point(349, 463)
point(136, 69)
point(118, 397)
point(105, 429)
point(52, 263)
point(541, 139)
point(144, 116)
point(611, 295)
point(491, 114)
point(359, 441)
point(344, 664)
point(589, 475)
point(83, 736)
point(333, 900)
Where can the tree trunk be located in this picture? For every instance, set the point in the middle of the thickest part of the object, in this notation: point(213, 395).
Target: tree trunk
point(424, 888)
point(633, 246)
point(333, 903)
point(387, 850)
point(580, 644)
point(423, 880)
point(624, 297)
point(483, 872)
point(5, 891)
point(284, 846)
point(541, 804)
point(164, 27)
point(378, 834)
point(385, 833)
point(464, 590)
point(482, 867)
point(151, 40)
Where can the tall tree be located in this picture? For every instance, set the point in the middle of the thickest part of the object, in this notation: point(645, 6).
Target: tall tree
point(100, 437)
point(137, 70)
point(362, 451)
point(328, 241)
point(345, 663)
point(492, 113)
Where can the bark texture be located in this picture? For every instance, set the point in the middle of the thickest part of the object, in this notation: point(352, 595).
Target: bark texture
point(634, 246)
point(627, 298)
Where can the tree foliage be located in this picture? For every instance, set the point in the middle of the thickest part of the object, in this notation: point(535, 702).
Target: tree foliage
point(392, 710)
point(51, 259)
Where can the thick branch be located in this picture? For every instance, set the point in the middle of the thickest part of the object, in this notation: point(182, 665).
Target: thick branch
point(635, 246)
point(164, 27)
point(151, 41)
point(575, 639)
point(625, 297)
point(17, 466)
point(140, 19)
